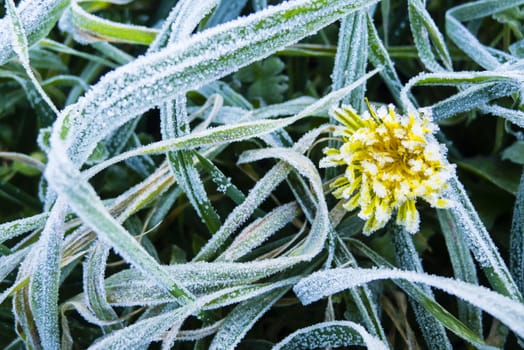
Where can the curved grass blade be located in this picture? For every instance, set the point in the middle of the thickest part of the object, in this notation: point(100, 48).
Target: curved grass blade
point(37, 20)
point(59, 47)
point(259, 231)
point(445, 318)
point(145, 331)
point(21, 47)
point(477, 96)
point(327, 334)
point(10, 262)
point(45, 278)
point(206, 56)
point(242, 318)
point(15, 228)
point(87, 27)
point(324, 283)
point(464, 39)
point(90, 208)
point(173, 115)
point(93, 281)
point(425, 32)
point(459, 78)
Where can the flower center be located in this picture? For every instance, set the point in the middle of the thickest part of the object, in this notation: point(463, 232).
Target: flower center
point(390, 160)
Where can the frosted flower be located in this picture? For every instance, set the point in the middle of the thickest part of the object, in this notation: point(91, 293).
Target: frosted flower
point(391, 160)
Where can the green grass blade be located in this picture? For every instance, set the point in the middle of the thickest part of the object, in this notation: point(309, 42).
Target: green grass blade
point(59, 47)
point(328, 334)
point(94, 289)
point(205, 57)
point(21, 47)
point(464, 268)
point(175, 124)
point(517, 239)
point(258, 231)
point(321, 284)
point(480, 243)
point(10, 262)
point(240, 320)
point(14, 228)
point(181, 22)
point(464, 39)
point(431, 306)
point(45, 279)
point(408, 259)
point(425, 32)
point(351, 58)
point(87, 27)
point(86, 203)
point(477, 96)
point(37, 19)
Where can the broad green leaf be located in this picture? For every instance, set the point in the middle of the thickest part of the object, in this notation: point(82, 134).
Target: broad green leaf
point(503, 174)
point(515, 153)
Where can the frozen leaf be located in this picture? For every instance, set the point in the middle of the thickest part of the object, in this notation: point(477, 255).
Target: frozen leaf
point(328, 334)
point(352, 56)
point(45, 278)
point(464, 39)
point(517, 238)
point(408, 259)
point(425, 32)
point(10, 262)
point(463, 267)
point(324, 283)
point(37, 19)
point(480, 243)
point(21, 47)
point(12, 229)
point(503, 174)
point(95, 294)
point(259, 231)
point(239, 321)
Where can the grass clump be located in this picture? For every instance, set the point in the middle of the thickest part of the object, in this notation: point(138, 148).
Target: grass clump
point(167, 167)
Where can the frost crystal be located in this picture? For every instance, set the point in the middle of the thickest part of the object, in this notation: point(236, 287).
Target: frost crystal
point(391, 160)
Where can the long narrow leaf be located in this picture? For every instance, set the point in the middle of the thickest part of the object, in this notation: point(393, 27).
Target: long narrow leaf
point(324, 283)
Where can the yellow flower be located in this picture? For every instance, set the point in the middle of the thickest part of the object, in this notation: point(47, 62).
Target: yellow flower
point(391, 160)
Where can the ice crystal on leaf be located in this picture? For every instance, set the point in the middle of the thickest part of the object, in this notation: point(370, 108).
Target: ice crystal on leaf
point(391, 160)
